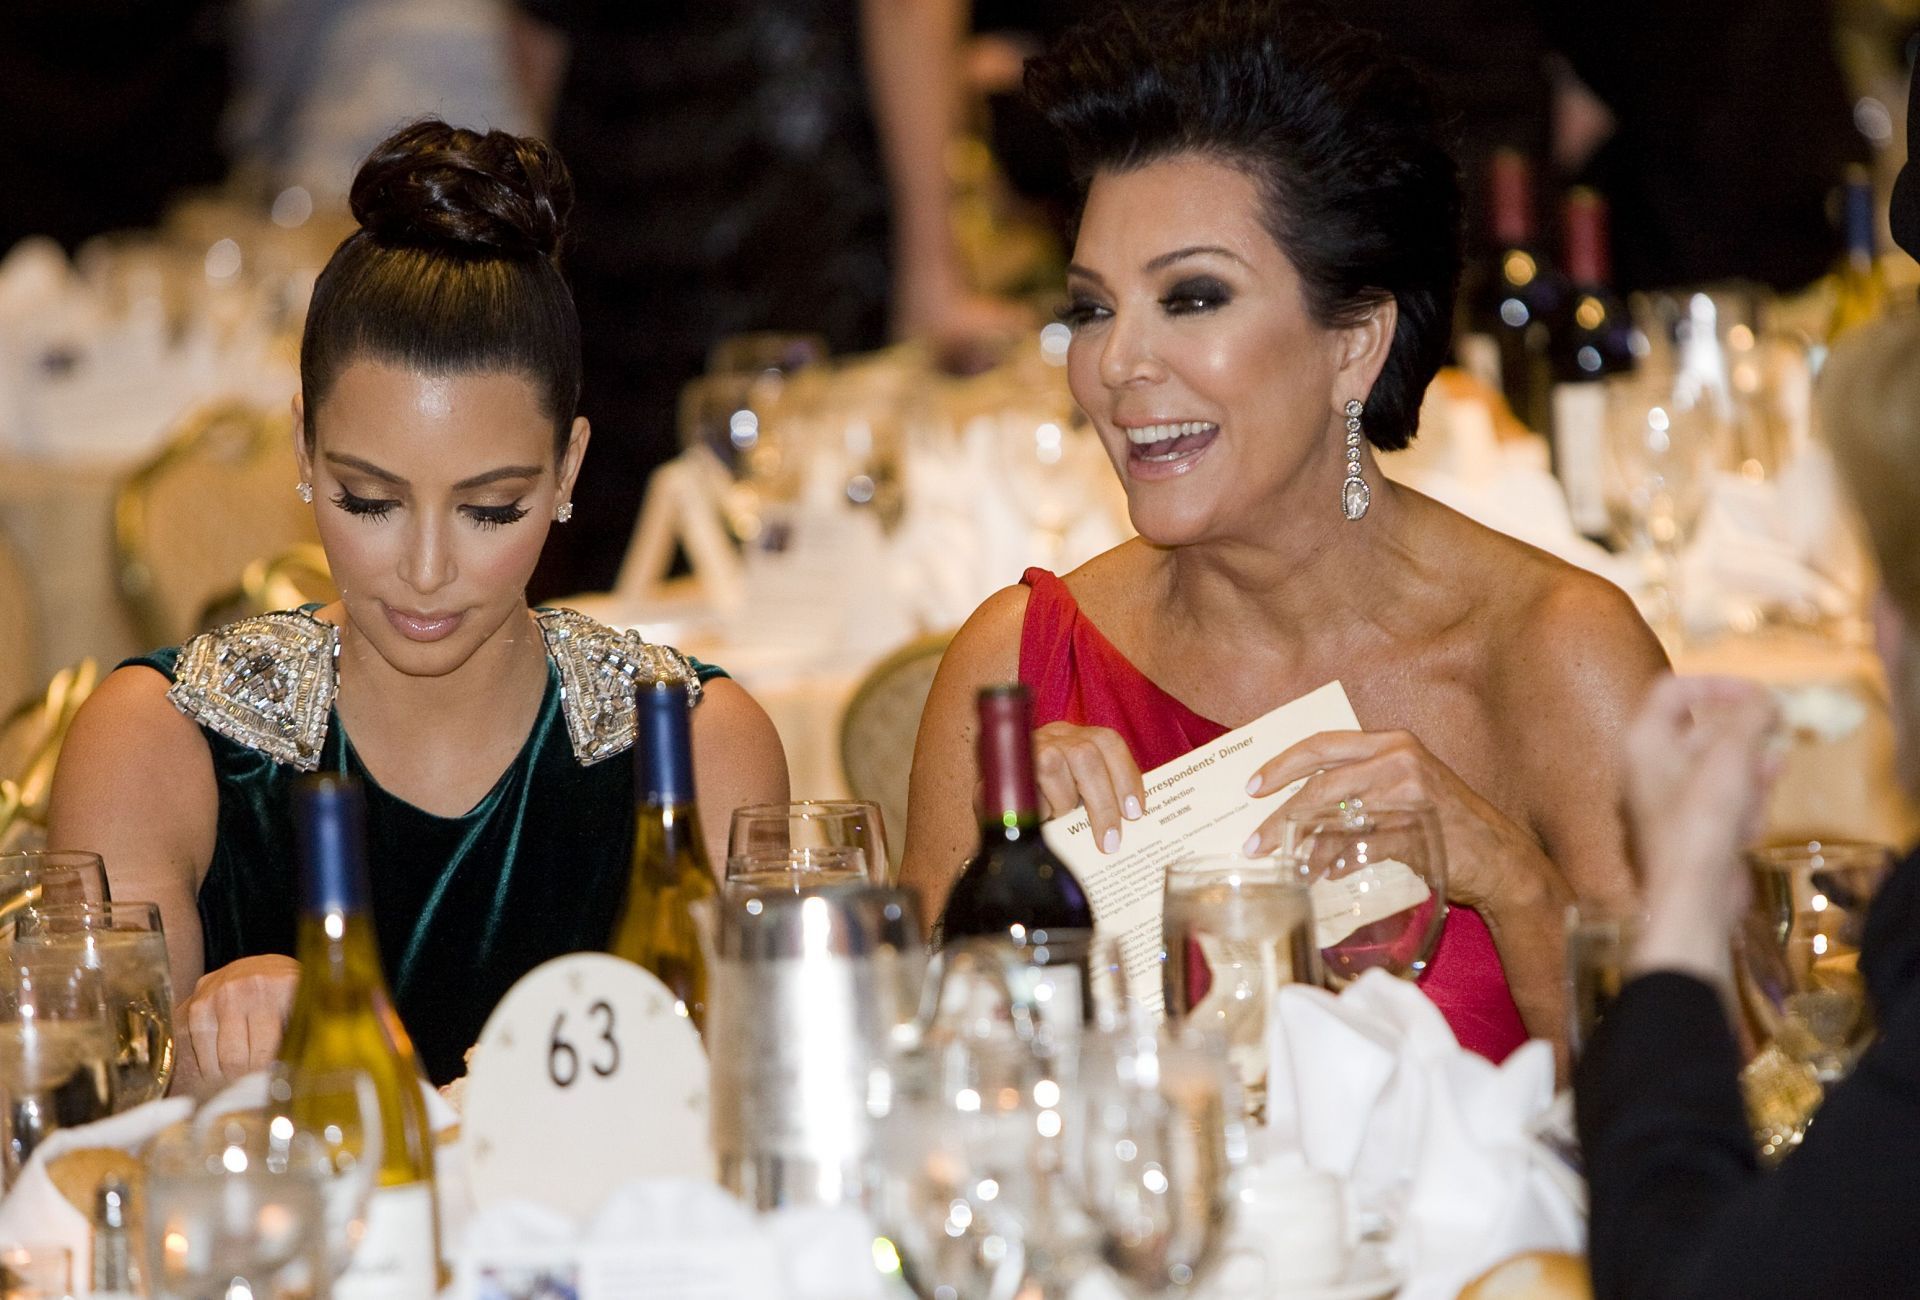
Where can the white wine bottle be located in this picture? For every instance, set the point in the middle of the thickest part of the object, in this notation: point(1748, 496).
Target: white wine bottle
point(343, 1019)
point(656, 927)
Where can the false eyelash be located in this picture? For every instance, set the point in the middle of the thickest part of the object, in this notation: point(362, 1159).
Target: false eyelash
point(1076, 313)
point(370, 507)
point(497, 516)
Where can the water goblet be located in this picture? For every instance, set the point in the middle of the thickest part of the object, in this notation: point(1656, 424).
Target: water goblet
point(1378, 877)
point(1235, 930)
point(774, 830)
point(56, 1054)
point(124, 942)
point(795, 871)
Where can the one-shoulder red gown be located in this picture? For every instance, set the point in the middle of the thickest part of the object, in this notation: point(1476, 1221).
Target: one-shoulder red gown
point(1076, 675)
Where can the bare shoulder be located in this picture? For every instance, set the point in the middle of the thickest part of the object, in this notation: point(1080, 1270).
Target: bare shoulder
point(987, 646)
point(1571, 636)
point(136, 778)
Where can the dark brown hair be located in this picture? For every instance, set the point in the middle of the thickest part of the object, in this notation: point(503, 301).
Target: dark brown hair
point(455, 268)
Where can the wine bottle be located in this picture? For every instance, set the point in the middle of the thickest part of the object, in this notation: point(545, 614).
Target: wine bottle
point(1860, 287)
point(1516, 299)
point(1015, 887)
point(656, 927)
point(1595, 341)
point(343, 1019)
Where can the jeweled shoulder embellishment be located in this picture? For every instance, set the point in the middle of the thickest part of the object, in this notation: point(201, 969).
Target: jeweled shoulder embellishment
point(599, 671)
point(266, 682)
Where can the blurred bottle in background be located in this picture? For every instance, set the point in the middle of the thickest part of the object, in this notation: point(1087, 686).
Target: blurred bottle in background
point(1860, 286)
point(1514, 300)
point(1595, 340)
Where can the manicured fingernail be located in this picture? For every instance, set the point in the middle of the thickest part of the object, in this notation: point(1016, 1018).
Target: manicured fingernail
point(1111, 840)
point(1251, 849)
point(1132, 808)
point(1253, 786)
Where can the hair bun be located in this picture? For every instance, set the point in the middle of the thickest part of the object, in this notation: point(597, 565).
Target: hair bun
point(439, 187)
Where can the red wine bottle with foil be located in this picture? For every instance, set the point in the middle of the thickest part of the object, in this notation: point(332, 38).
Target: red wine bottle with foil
point(1016, 887)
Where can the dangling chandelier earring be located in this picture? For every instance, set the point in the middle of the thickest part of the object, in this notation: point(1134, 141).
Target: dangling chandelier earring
point(304, 490)
point(1355, 495)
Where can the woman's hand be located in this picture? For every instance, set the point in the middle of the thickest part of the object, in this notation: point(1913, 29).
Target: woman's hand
point(1698, 770)
point(1091, 766)
point(1492, 863)
point(232, 1023)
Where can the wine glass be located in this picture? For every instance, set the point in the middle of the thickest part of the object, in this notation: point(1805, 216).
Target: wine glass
point(124, 942)
point(1235, 930)
point(56, 1053)
point(776, 830)
point(1659, 463)
point(1600, 934)
point(1799, 948)
point(1378, 877)
point(1157, 1148)
point(33, 876)
point(795, 872)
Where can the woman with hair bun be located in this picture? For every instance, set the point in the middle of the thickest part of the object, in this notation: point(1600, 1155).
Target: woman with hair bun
point(1261, 290)
point(437, 440)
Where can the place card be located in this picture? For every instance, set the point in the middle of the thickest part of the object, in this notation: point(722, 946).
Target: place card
point(1196, 805)
point(585, 1078)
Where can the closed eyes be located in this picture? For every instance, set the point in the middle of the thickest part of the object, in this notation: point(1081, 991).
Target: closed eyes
point(377, 508)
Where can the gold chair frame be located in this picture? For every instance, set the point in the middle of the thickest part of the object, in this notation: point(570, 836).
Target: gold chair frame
point(41, 727)
point(879, 679)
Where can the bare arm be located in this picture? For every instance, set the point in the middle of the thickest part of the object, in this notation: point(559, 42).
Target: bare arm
point(737, 760)
point(135, 784)
point(537, 55)
point(941, 828)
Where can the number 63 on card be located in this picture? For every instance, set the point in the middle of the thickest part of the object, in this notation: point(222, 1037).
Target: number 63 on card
point(585, 1077)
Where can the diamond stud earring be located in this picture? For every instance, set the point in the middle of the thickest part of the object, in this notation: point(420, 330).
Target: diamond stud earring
point(563, 512)
point(304, 490)
point(1355, 495)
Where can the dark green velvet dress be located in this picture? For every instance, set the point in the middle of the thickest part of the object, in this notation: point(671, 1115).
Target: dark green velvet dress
point(464, 906)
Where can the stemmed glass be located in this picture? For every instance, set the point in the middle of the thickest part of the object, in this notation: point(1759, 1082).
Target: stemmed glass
point(1158, 1142)
point(1660, 457)
point(124, 942)
point(1235, 930)
point(1800, 950)
point(268, 1185)
point(56, 1054)
point(1378, 877)
point(34, 876)
point(796, 871)
point(775, 832)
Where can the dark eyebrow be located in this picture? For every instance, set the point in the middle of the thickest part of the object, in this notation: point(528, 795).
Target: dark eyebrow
point(1164, 260)
point(464, 485)
point(1196, 250)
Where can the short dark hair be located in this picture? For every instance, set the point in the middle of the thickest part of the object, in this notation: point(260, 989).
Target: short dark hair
point(1359, 189)
point(455, 267)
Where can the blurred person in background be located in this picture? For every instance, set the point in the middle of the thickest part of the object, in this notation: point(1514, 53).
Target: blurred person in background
point(107, 109)
point(1718, 130)
point(741, 166)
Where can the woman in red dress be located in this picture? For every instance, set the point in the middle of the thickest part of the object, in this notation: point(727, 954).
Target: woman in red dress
point(1262, 288)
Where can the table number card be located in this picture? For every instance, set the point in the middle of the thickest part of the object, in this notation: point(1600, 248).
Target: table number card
point(584, 1078)
point(1197, 804)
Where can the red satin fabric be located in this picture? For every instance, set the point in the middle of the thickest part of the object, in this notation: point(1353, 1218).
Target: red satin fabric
point(1076, 675)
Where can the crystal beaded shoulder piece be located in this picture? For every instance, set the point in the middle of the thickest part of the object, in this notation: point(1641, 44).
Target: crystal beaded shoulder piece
point(266, 682)
point(599, 672)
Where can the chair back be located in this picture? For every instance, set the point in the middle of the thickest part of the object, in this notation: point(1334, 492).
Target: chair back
point(878, 730)
point(19, 631)
point(287, 581)
point(186, 524)
point(30, 741)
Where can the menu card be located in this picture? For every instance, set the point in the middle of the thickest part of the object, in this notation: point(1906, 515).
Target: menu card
point(1196, 805)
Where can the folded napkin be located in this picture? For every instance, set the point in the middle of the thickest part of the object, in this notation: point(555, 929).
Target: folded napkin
point(683, 1240)
point(35, 1213)
point(1371, 1085)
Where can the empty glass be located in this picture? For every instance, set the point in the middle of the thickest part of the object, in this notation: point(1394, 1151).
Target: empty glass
point(775, 831)
point(1235, 930)
point(51, 876)
point(1379, 881)
point(1800, 950)
point(123, 941)
point(1158, 1141)
point(56, 1053)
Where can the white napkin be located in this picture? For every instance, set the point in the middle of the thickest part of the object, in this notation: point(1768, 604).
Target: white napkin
point(35, 1213)
point(1371, 1085)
